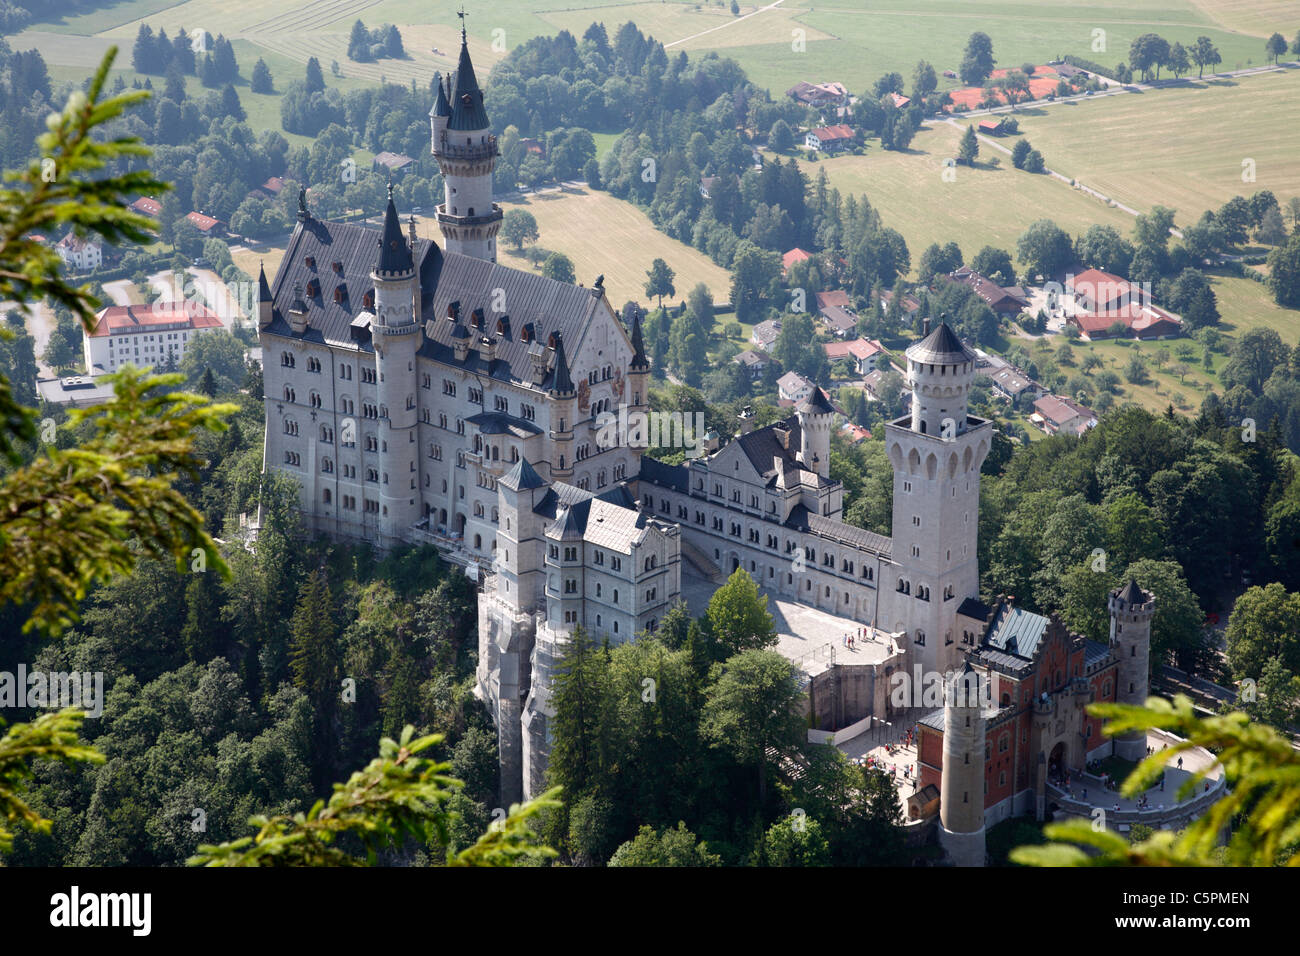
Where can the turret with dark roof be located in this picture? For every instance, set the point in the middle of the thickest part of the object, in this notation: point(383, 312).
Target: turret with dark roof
point(263, 287)
point(522, 477)
point(467, 112)
point(815, 404)
point(441, 106)
point(639, 360)
point(562, 383)
point(941, 347)
point(394, 253)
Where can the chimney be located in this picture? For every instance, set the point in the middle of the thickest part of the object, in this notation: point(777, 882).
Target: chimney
point(746, 418)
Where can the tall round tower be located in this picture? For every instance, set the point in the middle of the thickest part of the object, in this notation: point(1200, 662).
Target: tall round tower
point(394, 332)
point(815, 414)
point(1131, 610)
point(466, 152)
point(940, 370)
point(961, 798)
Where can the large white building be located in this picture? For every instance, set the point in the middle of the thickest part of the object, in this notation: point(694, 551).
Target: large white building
point(420, 393)
point(145, 336)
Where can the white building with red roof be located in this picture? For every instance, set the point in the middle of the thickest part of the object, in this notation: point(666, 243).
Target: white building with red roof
point(145, 335)
point(829, 138)
point(205, 224)
point(146, 206)
point(1104, 302)
point(78, 254)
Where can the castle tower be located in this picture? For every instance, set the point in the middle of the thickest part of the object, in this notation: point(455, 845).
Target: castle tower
point(564, 406)
point(936, 454)
point(1131, 610)
point(815, 414)
point(265, 302)
point(638, 370)
point(466, 151)
point(961, 798)
point(394, 332)
point(508, 610)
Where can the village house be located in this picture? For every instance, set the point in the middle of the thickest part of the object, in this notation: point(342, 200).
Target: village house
point(837, 297)
point(1105, 303)
point(1012, 383)
point(841, 322)
point(863, 353)
point(1057, 413)
point(269, 189)
point(911, 305)
point(207, 225)
point(394, 165)
point(793, 388)
point(1005, 302)
point(829, 139)
point(78, 254)
point(791, 256)
point(819, 95)
point(766, 333)
point(146, 207)
point(754, 362)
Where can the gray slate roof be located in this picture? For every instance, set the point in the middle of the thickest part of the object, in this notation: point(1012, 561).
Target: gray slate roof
point(445, 278)
point(467, 112)
point(1016, 631)
point(940, 347)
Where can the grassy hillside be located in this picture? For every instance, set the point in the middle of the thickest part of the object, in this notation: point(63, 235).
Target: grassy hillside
point(1181, 147)
point(983, 206)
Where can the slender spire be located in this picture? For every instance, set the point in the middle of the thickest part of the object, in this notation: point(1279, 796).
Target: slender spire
point(467, 112)
point(441, 106)
point(639, 360)
point(263, 287)
point(394, 254)
point(562, 384)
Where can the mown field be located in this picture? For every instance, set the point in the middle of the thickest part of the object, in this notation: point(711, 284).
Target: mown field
point(987, 205)
point(602, 234)
point(1181, 147)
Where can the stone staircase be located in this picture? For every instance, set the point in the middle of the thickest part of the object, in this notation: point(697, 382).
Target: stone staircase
point(701, 562)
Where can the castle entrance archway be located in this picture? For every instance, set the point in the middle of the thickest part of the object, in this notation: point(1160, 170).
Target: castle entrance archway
point(1056, 762)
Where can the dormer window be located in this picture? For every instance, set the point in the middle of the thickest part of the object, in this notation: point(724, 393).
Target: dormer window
point(337, 266)
point(340, 293)
point(526, 333)
point(368, 301)
point(311, 262)
point(476, 318)
point(503, 325)
point(313, 289)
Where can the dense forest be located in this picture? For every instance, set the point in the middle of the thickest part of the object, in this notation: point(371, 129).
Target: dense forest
point(222, 698)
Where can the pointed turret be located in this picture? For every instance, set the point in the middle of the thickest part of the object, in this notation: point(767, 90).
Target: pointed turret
point(639, 360)
point(441, 106)
point(467, 112)
point(263, 287)
point(394, 254)
point(561, 384)
point(264, 301)
point(522, 477)
point(466, 151)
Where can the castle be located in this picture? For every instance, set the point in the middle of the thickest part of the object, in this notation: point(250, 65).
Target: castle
point(427, 394)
